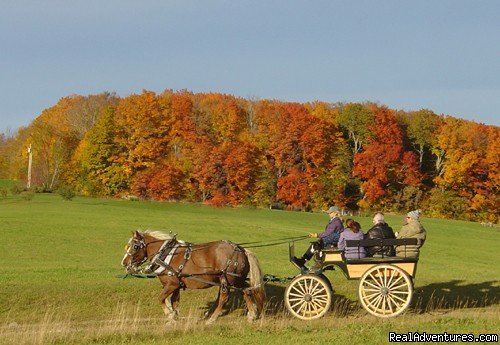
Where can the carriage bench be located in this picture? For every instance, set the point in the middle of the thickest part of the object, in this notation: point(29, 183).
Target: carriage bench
point(385, 288)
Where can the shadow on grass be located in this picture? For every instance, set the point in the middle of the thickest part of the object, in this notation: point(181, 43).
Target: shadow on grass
point(450, 295)
point(455, 294)
point(275, 305)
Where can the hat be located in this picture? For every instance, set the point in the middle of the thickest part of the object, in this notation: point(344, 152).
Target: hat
point(414, 214)
point(333, 209)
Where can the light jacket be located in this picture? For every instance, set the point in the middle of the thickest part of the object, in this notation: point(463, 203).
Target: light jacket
point(411, 230)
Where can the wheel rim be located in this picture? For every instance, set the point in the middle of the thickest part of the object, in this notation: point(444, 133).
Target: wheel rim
point(308, 297)
point(385, 290)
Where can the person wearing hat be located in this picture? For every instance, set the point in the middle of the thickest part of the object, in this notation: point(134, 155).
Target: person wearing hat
point(379, 231)
point(327, 238)
point(411, 229)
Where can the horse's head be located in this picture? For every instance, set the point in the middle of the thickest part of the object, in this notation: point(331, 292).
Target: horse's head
point(135, 253)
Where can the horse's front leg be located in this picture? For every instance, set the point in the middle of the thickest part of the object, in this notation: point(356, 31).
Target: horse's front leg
point(166, 303)
point(175, 299)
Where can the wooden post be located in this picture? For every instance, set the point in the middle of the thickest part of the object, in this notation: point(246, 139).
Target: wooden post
point(30, 159)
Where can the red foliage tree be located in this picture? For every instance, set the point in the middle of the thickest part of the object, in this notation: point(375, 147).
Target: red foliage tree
point(293, 189)
point(378, 161)
point(161, 182)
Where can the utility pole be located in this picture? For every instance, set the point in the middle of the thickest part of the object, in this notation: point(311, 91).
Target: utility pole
point(29, 166)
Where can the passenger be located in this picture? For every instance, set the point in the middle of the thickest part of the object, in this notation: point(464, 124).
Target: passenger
point(327, 238)
point(380, 230)
point(411, 229)
point(352, 232)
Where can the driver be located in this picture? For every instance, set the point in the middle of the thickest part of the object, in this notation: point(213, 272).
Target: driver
point(327, 238)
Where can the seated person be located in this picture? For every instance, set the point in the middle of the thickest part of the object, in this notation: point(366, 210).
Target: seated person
point(411, 229)
point(327, 238)
point(352, 232)
point(380, 230)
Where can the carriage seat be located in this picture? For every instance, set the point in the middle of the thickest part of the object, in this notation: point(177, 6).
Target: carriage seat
point(381, 242)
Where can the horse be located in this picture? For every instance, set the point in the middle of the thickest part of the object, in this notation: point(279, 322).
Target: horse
point(180, 265)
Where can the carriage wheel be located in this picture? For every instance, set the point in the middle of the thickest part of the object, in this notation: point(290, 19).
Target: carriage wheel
point(308, 297)
point(385, 290)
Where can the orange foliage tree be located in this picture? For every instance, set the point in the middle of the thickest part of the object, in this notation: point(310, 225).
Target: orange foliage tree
point(226, 150)
point(383, 165)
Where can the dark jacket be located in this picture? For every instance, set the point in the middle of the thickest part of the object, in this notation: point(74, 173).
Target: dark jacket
point(380, 231)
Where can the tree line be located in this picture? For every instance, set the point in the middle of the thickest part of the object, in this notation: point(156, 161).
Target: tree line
point(225, 150)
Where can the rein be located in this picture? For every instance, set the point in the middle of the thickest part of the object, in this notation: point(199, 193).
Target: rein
point(275, 242)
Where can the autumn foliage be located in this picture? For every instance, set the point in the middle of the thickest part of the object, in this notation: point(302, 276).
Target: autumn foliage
point(224, 150)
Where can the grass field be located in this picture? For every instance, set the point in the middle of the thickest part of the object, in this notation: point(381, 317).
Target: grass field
point(60, 261)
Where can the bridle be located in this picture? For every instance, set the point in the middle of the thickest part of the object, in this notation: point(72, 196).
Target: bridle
point(131, 248)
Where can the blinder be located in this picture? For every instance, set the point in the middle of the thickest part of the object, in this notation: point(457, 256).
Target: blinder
point(132, 248)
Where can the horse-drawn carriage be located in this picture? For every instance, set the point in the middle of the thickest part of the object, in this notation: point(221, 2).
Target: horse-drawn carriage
point(385, 287)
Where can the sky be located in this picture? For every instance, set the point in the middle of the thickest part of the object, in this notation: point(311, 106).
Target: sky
point(442, 55)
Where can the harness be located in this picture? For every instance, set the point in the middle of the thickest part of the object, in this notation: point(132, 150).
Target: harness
point(161, 261)
point(161, 264)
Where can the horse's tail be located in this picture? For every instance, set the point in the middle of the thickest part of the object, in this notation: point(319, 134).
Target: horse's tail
point(256, 281)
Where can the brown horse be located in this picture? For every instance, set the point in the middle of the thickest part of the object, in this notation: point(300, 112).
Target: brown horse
point(181, 265)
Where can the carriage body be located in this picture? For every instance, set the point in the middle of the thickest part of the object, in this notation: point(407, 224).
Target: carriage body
point(385, 288)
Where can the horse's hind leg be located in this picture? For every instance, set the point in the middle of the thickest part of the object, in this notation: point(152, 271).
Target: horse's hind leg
point(252, 308)
point(210, 310)
point(221, 301)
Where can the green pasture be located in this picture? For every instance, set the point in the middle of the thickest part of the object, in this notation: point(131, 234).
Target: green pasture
point(59, 262)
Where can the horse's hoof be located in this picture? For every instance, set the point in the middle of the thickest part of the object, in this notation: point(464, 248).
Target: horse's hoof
point(210, 322)
point(252, 317)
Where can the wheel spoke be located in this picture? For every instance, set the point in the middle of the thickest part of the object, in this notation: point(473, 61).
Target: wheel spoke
point(380, 277)
point(395, 282)
point(299, 311)
point(296, 304)
point(391, 278)
point(323, 299)
point(375, 280)
point(375, 300)
point(313, 288)
point(400, 292)
point(318, 308)
point(309, 308)
point(300, 287)
point(379, 303)
point(296, 294)
point(371, 284)
point(309, 285)
point(318, 304)
point(371, 295)
point(399, 298)
point(319, 292)
point(382, 305)
point(389, 303)
point(396, 304)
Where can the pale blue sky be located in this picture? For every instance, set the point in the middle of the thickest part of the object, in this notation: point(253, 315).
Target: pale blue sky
point(440, 55)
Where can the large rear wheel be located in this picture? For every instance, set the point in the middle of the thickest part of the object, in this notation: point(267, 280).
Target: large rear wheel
point(385, 290)
point(308, 297)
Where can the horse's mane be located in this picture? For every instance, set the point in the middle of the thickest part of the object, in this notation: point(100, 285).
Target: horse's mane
point(157, 234)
